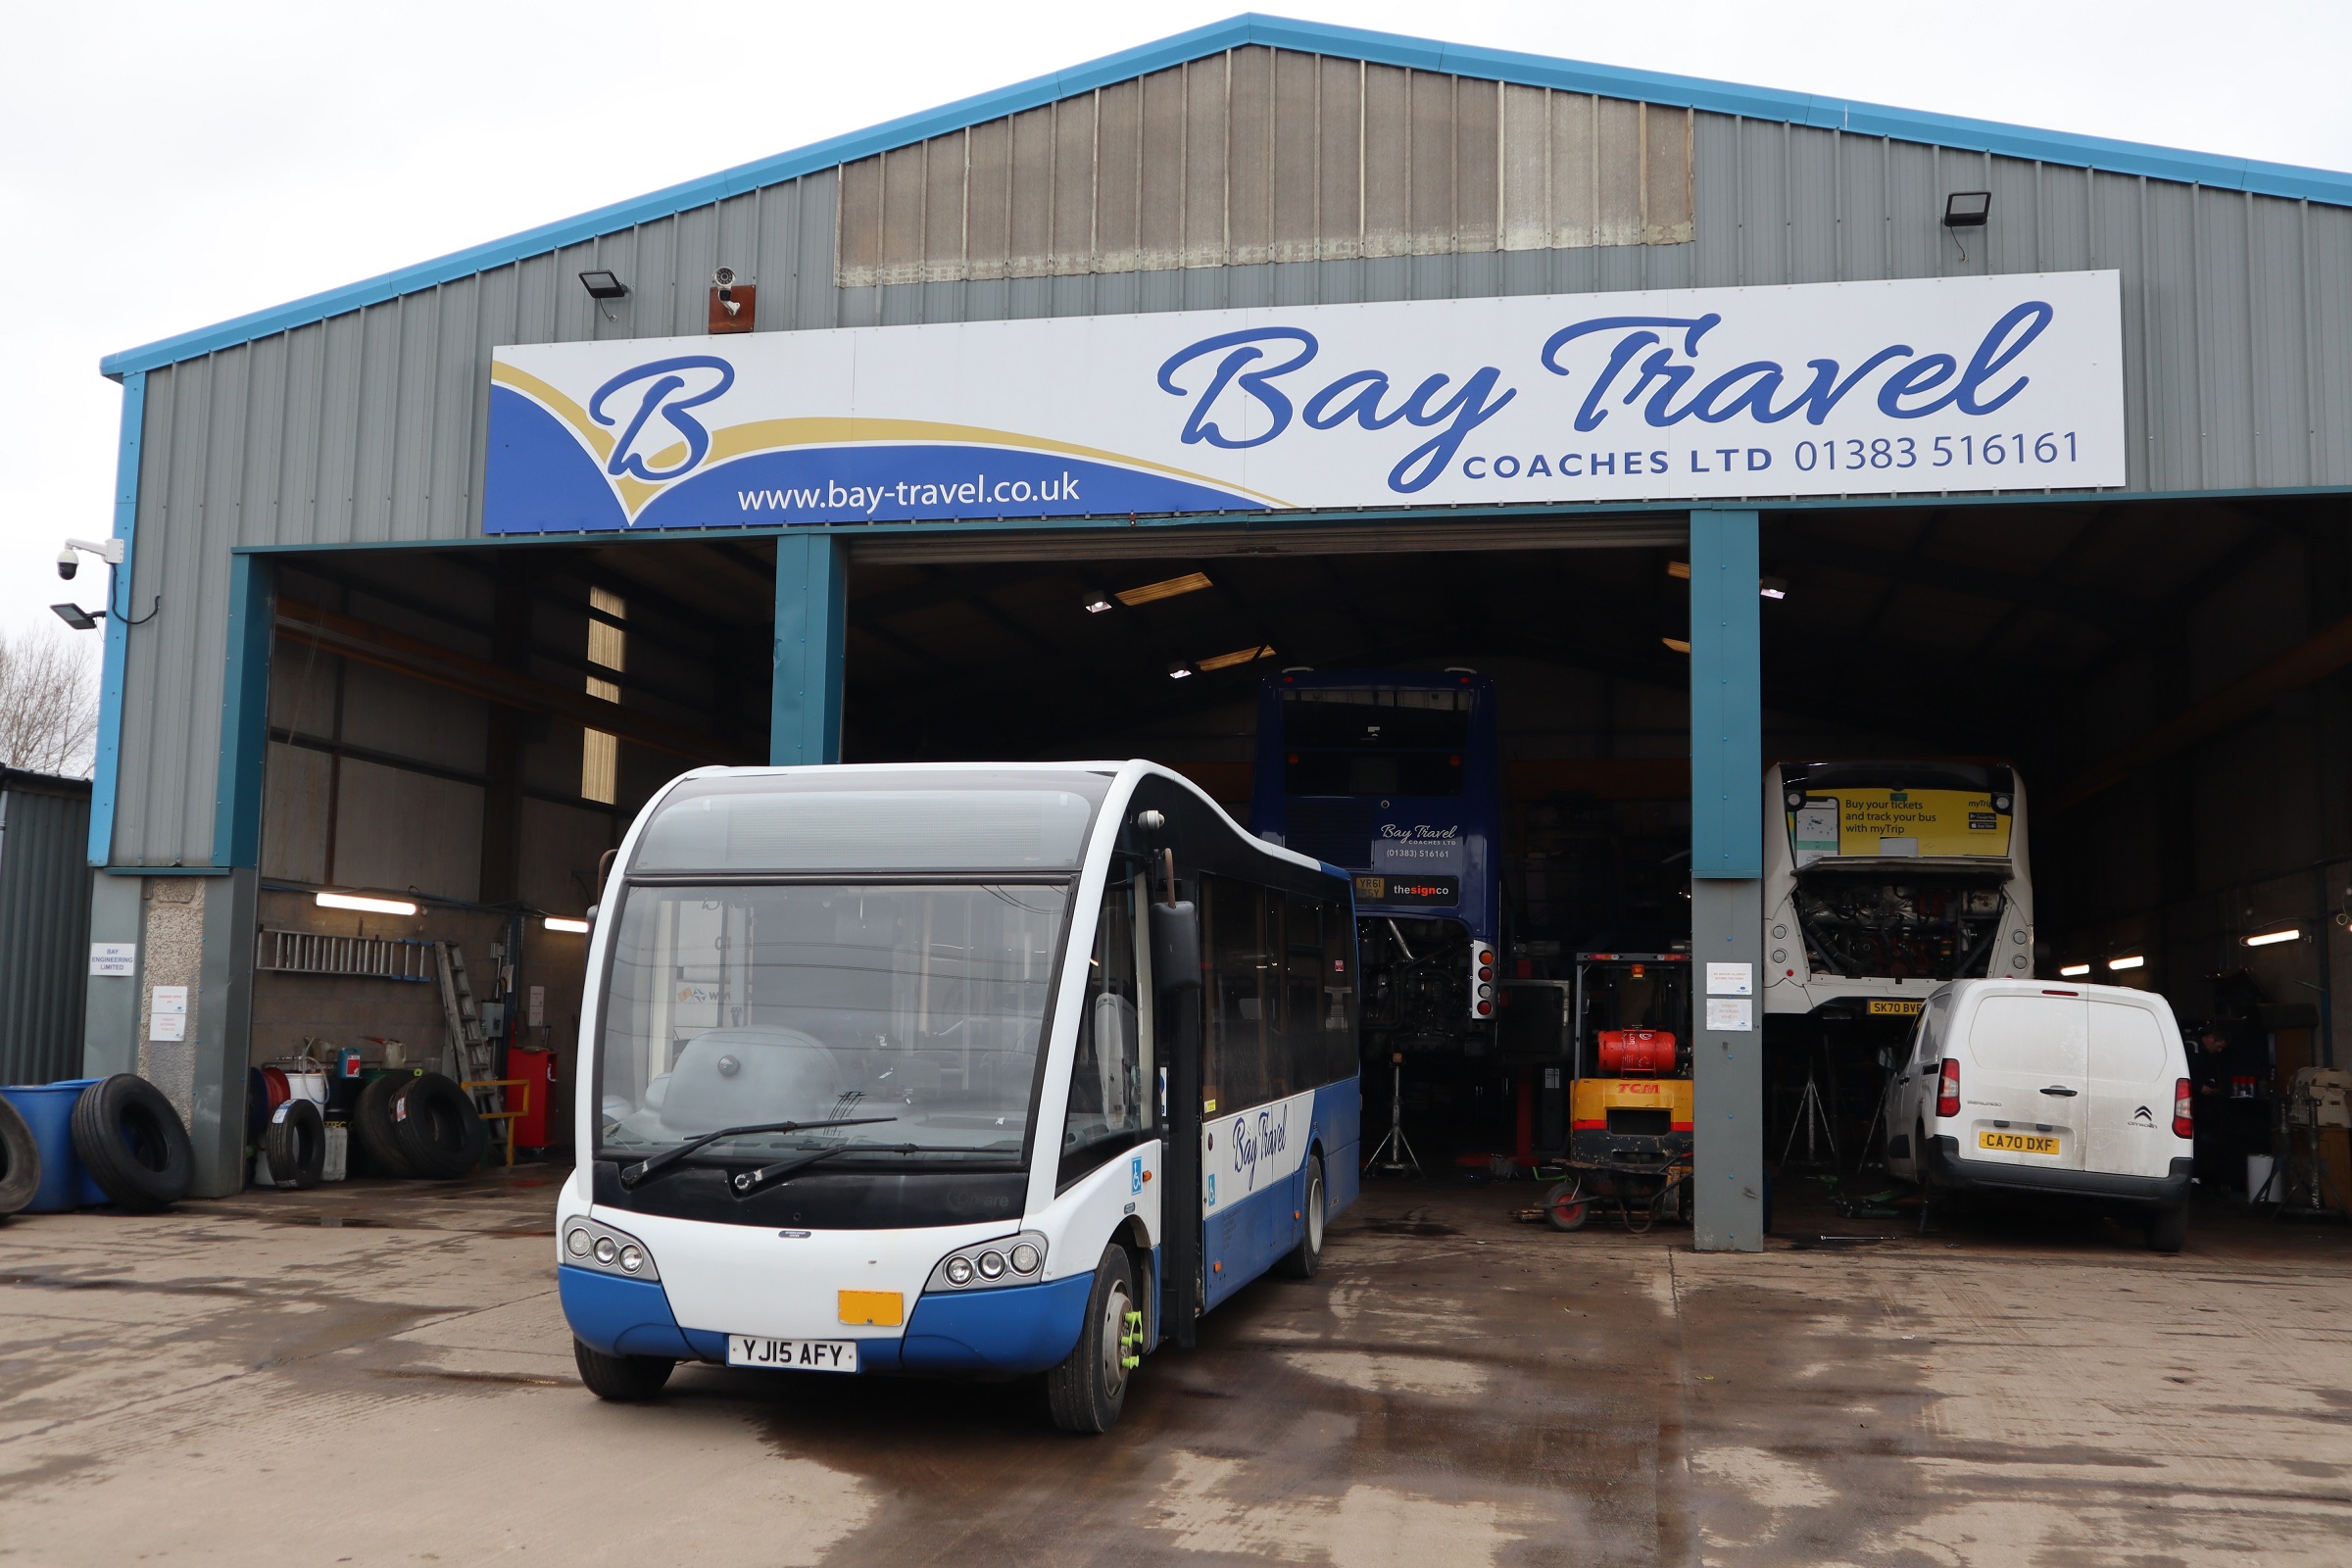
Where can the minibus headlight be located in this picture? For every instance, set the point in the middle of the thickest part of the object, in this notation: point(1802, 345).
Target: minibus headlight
point(591, 1245)
point(1001, 1261)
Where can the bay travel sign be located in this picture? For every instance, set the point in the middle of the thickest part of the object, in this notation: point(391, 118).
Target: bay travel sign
point(1921, 386)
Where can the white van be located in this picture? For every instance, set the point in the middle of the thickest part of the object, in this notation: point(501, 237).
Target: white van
point(2022, 1086)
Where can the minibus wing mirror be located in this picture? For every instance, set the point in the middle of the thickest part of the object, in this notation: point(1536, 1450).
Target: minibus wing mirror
point(1176, 945)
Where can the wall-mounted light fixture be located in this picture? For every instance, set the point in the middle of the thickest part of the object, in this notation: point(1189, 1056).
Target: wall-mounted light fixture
point(1966, 209)
point(2264, 938)
point(556, 923)
point(603, 284)
point(75, 616)
point(2074, 971)
point(1180, 671)
point(1097, 603)
point(365, 905)
point(2129, 960)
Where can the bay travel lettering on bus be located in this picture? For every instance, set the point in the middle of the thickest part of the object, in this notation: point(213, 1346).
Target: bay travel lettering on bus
point(1917, 386)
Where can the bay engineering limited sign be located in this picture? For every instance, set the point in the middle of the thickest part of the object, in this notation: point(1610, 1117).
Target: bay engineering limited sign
point(1920, 386)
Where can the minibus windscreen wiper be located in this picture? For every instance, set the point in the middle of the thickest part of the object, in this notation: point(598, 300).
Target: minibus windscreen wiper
point(751, 1181)
point(654, 1164)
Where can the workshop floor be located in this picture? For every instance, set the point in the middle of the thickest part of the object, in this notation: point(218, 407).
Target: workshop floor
point(378, 1373)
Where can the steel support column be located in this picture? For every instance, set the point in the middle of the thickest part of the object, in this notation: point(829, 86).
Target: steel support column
point(811, 619)
point(1727, 889)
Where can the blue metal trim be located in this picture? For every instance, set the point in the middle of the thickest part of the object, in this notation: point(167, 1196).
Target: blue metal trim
point(244, 712)
point(1021, 1328)
point(1727, 696)
point(176, 870)
point(621, 1317)
point(106, 768)
point(811, 621)
point(2285, 181)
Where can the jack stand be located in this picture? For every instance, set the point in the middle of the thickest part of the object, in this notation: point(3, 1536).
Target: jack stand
point(1395, 1146)
point(1812, 1117)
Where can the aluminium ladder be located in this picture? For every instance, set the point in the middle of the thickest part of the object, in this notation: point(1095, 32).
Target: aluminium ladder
point(468, 1043)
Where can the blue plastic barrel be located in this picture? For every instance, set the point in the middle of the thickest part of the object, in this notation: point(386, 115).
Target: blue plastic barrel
point(48, 1109)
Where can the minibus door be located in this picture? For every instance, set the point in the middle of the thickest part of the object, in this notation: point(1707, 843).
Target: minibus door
point(1176, 975)
point(2022, 1080)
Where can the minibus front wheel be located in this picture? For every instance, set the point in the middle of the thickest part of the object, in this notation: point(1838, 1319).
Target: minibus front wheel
point(1089, 1388)
point(622, 1378)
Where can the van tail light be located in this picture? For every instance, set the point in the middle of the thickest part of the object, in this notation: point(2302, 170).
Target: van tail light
point(2183, 1124)
point(1947, 1088)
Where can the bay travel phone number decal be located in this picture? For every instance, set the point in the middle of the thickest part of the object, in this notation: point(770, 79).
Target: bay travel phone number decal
point(1919, 387)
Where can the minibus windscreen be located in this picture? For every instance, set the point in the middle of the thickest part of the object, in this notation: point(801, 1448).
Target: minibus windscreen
point(733, 1005)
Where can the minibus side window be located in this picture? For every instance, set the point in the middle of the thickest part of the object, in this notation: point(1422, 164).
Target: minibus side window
point(1241, 996)
point(1108, 1106)
point(1305, 1063)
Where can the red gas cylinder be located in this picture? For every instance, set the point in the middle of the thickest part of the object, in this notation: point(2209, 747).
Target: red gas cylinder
point(1648, 1050)
point(537, 1070)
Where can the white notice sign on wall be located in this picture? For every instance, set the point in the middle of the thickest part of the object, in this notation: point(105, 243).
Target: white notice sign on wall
point(1731, 979)
point(167, 1012)
point(1730, 1013)
point(114, 958)
point(538, 1006)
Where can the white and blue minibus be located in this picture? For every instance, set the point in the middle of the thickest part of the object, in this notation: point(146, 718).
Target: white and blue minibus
point(992, 1069)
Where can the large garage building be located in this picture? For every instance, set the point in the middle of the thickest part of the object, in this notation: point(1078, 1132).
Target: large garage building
point(1714, 424)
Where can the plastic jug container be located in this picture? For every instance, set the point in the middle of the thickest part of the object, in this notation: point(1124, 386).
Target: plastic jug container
point(2258, 1176)
point(48, 1110)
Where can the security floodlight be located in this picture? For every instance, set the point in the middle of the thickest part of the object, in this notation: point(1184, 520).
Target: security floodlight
point(602, 284)
point(1967, 209)
point(1180, 671)
point(75, 616)
point(1097, 603)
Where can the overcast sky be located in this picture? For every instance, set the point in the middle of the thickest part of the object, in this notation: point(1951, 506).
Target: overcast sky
point(166, 165)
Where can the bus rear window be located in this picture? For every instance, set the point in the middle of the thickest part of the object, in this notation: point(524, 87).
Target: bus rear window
point(1371, 773)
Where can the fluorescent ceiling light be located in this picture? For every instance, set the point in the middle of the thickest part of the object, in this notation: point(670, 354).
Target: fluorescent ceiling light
point(1169, 588)
point(2264, 938)
point(1180, 671)
point(1095, 604)
point(2071, 970)
point(556, 923)
point(2129, 962)
point(1239, 655)
point(1773, 587)
point(353, 901)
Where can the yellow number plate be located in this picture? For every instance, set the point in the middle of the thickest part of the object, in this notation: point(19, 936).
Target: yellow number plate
point(885, 1309)
point(2018, 1142)
point(1895, 1009)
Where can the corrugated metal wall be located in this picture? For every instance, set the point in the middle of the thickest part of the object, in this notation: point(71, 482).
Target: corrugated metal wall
point(44, 925)
point(2237, 338)
point(1262, 155)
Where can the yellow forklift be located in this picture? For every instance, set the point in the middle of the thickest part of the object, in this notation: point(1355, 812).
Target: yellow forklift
point(1628, 1091)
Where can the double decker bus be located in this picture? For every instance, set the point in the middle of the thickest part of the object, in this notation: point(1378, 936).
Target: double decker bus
point(1396, 777)
point(951, 1068)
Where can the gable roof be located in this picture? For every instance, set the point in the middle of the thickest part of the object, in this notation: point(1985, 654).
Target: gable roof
point(2285, 181)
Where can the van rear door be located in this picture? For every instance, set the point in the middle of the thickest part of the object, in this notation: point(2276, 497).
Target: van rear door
point(2131, 1081)
point(2022, 1080)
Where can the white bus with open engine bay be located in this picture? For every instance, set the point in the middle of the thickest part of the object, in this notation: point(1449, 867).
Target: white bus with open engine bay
point(951, 1068)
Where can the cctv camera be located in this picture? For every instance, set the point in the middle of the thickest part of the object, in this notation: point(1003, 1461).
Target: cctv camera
point(68, 563)
point(724, 278)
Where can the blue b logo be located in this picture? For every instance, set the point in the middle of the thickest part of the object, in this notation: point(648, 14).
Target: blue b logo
point(669, 388)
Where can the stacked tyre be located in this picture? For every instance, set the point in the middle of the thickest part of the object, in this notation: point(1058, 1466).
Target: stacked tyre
point(417, 1125)
point(131, 1142)
point(20, 1160)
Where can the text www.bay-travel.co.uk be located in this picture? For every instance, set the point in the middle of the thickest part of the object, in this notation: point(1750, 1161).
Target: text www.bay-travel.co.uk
point(834, 497)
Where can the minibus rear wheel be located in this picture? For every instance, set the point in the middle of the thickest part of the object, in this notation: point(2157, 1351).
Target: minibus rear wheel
point(1087, 1391)
point(623, 1378)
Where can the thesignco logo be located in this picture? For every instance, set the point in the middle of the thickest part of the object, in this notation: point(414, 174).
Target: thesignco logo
point(653, 399)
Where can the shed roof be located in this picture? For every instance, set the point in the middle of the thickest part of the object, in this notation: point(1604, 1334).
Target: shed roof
point(2251, 175)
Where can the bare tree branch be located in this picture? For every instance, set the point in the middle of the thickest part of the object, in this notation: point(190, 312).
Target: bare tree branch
point(48, 703)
